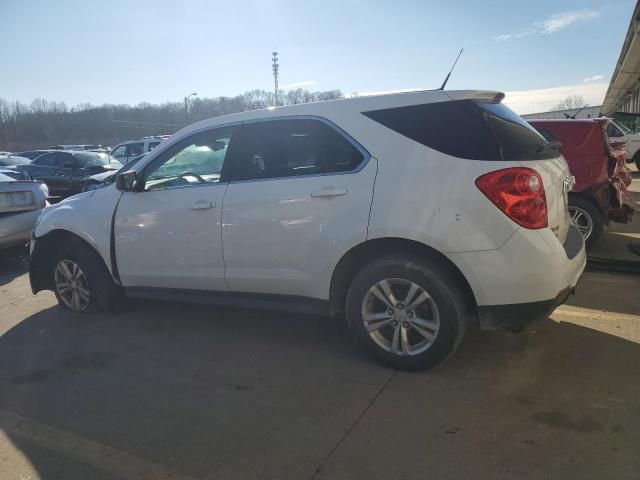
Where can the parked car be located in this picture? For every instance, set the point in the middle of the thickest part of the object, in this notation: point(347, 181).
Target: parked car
point(21, 202)
point(617, 132)
point(32, 154)
point(65, 171)
point(104, 179)
point(126, 151)
point(15, 174)
point(91, 147)
point(13, 161)
point(407, 212)
point(602, 177)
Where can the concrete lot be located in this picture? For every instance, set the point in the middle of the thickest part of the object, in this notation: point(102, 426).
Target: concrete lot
point(180, 392)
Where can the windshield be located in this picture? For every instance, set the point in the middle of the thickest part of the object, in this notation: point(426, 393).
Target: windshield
point(90, 159)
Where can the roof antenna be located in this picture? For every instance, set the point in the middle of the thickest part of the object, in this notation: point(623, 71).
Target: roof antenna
point(452, 67)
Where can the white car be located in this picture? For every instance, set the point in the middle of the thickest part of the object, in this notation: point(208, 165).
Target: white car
point(409, 213)
point(21, 202)
point(618, 132)
point(126, 151)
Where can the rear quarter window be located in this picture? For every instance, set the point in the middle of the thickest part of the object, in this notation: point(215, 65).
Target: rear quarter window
point(467, 129)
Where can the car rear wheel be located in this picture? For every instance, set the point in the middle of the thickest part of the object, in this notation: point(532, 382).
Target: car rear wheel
point(407, 312)
point(587, 218)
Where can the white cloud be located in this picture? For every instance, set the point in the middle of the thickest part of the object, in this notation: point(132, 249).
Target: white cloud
point(306, 83)
point(545, 99)
point(552, 24)
point(558, 21)
point(595, 78)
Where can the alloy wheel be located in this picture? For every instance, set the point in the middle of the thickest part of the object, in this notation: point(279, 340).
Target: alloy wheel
point(400, 316)
point(582, 220)
point(72, 285)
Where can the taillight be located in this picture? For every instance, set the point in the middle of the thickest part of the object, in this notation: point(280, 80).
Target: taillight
point(519, 193)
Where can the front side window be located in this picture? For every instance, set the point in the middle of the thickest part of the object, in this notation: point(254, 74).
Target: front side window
point(153, 145)
point(291, 147)
point(194, 161)
point(65, 160)
point(613, 131)
point(46, 160)
point(135, 149)
point(120, 151)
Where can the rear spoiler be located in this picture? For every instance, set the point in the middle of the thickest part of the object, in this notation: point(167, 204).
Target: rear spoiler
point(483, 96)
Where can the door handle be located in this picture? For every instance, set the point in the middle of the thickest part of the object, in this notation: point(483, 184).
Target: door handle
point(202, 205)
point(329, 192)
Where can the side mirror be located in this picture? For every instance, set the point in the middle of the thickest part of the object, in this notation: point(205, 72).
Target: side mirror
point(129, 182)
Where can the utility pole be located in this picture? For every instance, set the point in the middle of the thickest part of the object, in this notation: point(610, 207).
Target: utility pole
point(186, 108)
point(274, 57)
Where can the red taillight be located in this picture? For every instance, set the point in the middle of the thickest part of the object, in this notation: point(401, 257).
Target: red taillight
point(519, 193)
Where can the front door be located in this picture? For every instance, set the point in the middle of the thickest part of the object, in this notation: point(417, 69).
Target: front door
point(169, 234)
point(298, 199)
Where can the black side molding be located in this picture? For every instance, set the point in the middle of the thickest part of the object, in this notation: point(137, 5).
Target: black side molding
point(260, 301)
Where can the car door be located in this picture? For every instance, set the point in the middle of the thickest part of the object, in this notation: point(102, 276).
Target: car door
point(66, 167)
point(168, 236)
point(299, 197)
point(44, 168)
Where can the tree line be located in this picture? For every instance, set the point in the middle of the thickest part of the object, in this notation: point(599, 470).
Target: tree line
point(42, 123)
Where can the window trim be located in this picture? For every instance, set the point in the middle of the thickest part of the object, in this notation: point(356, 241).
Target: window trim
point(224, 174)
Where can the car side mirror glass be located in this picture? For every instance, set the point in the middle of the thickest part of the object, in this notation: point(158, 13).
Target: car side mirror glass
point(129, 182)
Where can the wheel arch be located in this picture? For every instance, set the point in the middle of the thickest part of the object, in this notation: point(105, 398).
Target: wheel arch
point(41, 259)
point(359, 255)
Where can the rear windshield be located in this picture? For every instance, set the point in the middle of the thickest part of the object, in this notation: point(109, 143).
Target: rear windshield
point(12, 161)
point(467, 129)
point(88, 159)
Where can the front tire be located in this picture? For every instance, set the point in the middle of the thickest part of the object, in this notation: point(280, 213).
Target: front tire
point(586, 216)
point(407, 312)
point(81, 281)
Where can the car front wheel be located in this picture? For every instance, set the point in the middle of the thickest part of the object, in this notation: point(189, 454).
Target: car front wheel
point(407, 312)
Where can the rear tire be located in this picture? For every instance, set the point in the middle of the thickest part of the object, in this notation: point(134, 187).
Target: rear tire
point(587, 217)
point(406, 311)
point(81, 281)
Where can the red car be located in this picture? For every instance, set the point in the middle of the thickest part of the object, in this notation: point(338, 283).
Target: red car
point(599, 166)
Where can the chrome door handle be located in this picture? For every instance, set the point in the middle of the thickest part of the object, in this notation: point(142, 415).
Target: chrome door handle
point(329, 192)
point(202, 205)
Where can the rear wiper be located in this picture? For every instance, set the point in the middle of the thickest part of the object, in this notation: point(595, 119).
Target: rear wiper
point(550, 146)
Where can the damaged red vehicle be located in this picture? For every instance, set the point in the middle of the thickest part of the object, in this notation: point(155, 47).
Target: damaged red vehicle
point(598, 164)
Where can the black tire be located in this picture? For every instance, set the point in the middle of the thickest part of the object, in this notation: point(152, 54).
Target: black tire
point(104, 294)
point(593, 213)
point(433, 279)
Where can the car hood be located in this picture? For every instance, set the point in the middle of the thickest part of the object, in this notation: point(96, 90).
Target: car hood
point(101, 177)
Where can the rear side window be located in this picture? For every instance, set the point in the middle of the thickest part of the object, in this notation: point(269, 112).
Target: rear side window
point(287, 148)
point(467, 129)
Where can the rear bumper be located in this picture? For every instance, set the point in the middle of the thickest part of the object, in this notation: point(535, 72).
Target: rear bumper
point(516, 316)
point(525, 279)
point(15, 228)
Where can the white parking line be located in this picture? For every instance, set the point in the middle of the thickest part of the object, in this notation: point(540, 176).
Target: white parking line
point(98, 455)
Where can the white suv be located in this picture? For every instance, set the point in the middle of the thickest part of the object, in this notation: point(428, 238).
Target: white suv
point(408, 213)
point(126, 151)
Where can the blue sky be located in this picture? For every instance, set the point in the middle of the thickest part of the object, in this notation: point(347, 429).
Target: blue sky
point(127, 52)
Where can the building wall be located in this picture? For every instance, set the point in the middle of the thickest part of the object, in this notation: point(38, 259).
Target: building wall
point(588, 112)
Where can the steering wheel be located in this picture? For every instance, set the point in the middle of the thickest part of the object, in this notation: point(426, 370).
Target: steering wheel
point(189, 173)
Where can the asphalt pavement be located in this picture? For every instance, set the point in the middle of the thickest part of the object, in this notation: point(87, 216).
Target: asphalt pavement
point(170, 391)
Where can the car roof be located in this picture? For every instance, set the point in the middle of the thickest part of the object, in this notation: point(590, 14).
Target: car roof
point(347, 106)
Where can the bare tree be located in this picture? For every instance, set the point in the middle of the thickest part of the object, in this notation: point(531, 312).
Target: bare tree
point(570, 103)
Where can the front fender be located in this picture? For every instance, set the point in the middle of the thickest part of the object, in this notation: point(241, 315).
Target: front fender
point(87, 215)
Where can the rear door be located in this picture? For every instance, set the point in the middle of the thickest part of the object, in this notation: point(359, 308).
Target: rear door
point(299, 197)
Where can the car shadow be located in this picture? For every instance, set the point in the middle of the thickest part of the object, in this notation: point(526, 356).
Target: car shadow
point(13, 263)
point(240, 393)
